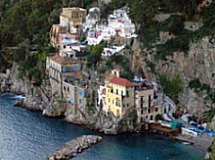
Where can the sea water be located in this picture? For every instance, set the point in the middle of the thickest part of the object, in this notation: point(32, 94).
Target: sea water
point(26, 135)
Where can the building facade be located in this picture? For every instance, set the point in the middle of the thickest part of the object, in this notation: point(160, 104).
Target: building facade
point(73, 18)
point(119, 95)
point(55, 32)
point(57, 68)
point(147, 110)
point(75, 91)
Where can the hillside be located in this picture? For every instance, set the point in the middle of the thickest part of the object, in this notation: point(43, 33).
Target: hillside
point(176, 40)
point(175, 44)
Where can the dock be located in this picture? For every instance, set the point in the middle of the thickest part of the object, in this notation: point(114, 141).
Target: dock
point(70, 149)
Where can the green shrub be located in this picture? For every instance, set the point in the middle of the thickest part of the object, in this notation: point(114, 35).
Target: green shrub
point(172, 86)
point(209, 115)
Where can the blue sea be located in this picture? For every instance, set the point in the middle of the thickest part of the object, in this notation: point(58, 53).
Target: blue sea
point(26, 135)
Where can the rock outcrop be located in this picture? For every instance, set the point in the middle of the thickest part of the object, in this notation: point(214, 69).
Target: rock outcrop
point(211, 152)
point(212, 125)
point(55, 108)
point(198, 63)
point(70, 149)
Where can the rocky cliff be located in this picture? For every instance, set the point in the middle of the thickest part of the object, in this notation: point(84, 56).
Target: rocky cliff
point(198, 63)
point(41, 99)
point(211, 152)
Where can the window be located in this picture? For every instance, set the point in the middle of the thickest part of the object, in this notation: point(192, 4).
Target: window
point(111, 90)
point(64, 69)
point(116, 91)
point(80, 101)
point(74, 68)
point(80, 93)
point(118, 103)
point(67, 89)
point(142, 99)
point(156, 109)
point(149, 104)
point(109, 100)
point(149, 97)
point(141, 111)
point(85, 94)
point(64, 88)
point(141, 119)
point(112, 101)
point(127, 93)
point(148, 110)
point(122, 92)
point(127, 104)
point(151, 117)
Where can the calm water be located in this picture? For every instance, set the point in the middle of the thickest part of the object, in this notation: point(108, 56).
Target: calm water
point(26, 135)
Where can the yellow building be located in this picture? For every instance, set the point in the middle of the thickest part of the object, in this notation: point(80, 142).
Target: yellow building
point(119, 95)
point(72, 18)
point(54, 34)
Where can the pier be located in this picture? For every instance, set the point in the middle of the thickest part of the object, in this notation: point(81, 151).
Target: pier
point(70, 149)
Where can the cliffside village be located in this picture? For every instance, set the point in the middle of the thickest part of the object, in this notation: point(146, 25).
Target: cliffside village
point(115, 94)
point(112, 95)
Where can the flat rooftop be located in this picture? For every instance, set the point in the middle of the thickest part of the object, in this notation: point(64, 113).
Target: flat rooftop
point(63, 60)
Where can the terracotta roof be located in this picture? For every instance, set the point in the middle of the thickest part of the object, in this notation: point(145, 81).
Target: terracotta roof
point(63, 60)
point(122, 82)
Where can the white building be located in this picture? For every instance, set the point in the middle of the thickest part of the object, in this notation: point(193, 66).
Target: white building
point(109, 51)
point(120, 21)
point(92, 18)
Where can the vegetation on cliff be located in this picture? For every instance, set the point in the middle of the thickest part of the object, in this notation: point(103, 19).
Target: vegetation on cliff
point(211, 150)
point(172, 87)
point(24, 33)
point(202, 88)
point(143, 15)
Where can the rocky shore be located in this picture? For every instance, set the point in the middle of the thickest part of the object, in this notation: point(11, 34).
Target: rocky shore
point(202, 142)
point(70, 149)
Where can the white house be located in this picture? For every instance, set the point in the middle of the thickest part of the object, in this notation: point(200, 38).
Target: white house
point(68, 52)
point(120, 21)
point(94, 37)
point(92, 18)
point(109, 51)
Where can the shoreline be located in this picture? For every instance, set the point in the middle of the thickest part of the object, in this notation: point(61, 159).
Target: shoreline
point(174, 138)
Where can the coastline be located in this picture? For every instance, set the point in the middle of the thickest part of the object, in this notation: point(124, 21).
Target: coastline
point(35, 104)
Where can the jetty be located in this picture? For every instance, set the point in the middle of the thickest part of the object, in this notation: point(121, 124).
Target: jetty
point(70, 149)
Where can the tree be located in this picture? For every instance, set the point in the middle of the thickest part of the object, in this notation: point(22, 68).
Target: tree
point(172, 86)
point(95, 55)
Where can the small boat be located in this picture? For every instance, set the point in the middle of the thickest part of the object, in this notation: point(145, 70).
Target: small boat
point(186, 143)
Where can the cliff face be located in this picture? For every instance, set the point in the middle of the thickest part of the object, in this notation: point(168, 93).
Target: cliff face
point(211, 152)
point(198, 63)
point(213, 123)
point(41, 99)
